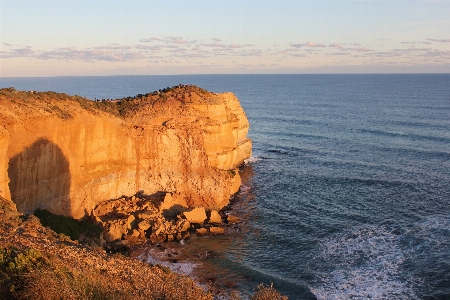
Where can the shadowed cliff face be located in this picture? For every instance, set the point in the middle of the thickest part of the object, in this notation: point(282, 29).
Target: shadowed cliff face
point(39, 178)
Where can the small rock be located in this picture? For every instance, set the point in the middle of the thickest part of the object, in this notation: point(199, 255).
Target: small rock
point(183, 225)
point(155, 239)
point(196, 215)
point(114, 232)
point(144, 225)
point(130, 221)
point(202, 231)
point(233, 219)
point(216, 230)
point(215, 217)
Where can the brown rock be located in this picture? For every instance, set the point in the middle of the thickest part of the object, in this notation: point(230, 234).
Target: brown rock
point(144, 225)
point(156, 239)
point(202, 231)
point(183, 225)
point(233, 219)
point(114, 232)
point(216, 230)
point(135, 233)
point(215, 217)
point(196, 215)
point(185, 235)
point(130, 221)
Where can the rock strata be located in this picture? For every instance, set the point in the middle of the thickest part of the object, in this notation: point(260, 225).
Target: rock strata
point(67, 154)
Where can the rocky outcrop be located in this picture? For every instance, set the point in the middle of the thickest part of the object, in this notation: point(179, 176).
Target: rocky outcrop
point(129, 221)
point(67, 154)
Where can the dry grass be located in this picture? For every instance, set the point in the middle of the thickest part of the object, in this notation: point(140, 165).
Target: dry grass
point(47, 265)
point(267, 293)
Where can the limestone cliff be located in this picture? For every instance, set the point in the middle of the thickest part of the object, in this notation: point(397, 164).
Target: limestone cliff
point(66, 153)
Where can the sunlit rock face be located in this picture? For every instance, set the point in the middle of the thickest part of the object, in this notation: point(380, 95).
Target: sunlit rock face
point(66, 153)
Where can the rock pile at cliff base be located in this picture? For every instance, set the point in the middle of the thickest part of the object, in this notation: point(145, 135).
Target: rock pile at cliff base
point(129, 221)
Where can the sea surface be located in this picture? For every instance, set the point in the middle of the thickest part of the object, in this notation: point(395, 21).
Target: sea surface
point(346, 196)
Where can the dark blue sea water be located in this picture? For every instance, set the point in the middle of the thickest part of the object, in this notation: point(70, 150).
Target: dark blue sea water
point(347, 195)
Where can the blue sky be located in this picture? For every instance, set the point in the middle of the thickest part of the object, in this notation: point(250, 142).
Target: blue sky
point(60, 37)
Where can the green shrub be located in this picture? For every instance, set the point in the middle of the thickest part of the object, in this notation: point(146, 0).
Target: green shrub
point(14, 264)
point(66, 225)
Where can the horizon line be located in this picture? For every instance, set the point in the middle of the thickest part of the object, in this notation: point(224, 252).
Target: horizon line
point(234, 74)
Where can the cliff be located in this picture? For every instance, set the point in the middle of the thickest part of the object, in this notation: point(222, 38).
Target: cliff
point(66, 153)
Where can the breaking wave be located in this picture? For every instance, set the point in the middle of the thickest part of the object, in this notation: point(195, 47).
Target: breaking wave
point(382, 262)
point(252, 159)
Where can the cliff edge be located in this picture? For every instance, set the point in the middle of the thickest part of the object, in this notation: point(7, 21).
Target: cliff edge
point(67, 154)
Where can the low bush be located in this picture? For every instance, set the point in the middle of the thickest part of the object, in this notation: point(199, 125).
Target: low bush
point(66, 225)
point(13, 265)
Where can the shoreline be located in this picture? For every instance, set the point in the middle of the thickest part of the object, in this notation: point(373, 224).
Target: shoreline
point(195, 257)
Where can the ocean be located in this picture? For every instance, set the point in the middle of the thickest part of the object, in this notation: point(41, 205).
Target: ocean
point(346, 196)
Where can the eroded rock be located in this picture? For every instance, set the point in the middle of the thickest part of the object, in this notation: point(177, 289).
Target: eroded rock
point(214, 217)
point(196, 215)
point(216, 230)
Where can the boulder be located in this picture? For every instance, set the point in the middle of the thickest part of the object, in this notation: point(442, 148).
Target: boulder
point(183, 225)
point(196, 215)
point(214, 217)
point(202, 231)
point(114, 232)
point(135, 233)
point(144, 225)
point(233, 219)
point(130, 221)
point(216, 230)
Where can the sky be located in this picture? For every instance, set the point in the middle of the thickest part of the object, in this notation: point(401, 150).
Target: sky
point(80, 38)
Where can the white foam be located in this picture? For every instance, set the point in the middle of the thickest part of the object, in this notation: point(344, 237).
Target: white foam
point(252, 159)
point(157, 257)
point(367, 262)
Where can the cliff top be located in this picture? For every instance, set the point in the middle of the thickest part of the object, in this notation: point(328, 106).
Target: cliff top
point(62, 105)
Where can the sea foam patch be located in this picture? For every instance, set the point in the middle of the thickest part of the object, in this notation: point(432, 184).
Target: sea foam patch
point(365, 263)
point(155, 256)
point(252, 159)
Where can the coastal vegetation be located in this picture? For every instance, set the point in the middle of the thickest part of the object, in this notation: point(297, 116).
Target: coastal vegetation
point(118, 107)
point(38, 263)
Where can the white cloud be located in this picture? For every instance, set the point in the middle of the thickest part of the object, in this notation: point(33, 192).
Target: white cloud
point(335, 45)
point(436, 53)
point(440, 41)
point(151, 48)
point(20, 52)
point(151, 39)
point(178, 40)
point(308, 44)
point(97, 54)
